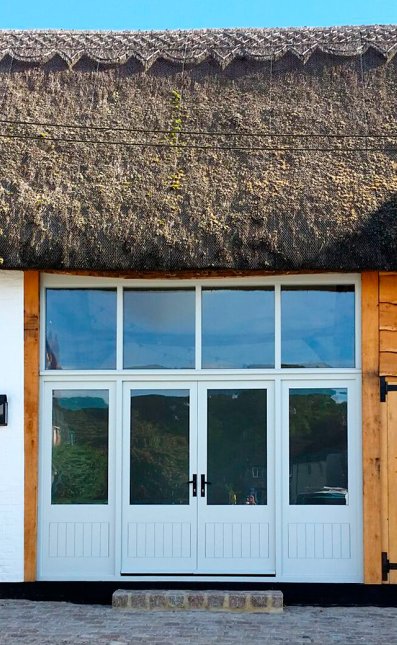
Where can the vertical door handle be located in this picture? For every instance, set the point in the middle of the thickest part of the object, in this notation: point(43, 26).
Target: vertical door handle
point(203, 484)
point(194, 482)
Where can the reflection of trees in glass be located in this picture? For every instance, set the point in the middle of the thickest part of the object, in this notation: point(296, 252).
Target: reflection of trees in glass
point(80, 450)
point(237, 467)
point(318, 446)
point(159, 449)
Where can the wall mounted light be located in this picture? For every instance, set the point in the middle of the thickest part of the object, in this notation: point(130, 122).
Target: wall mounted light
point(3, 410)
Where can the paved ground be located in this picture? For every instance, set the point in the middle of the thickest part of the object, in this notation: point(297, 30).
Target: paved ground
point(33, 623)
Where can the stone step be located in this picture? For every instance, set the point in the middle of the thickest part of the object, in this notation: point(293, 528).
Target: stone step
point(213, 600)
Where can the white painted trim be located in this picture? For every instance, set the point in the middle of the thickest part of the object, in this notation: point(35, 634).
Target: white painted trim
point(200, 375)
point(277, 327)
point(198, 328)
point(52, 280)
point(119, 329)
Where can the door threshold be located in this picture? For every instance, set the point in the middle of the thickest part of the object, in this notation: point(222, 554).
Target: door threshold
point(204, 575)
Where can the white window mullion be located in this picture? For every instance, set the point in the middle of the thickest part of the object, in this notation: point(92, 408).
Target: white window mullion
point(198, 328)
point(119, 336)
point(277, 326)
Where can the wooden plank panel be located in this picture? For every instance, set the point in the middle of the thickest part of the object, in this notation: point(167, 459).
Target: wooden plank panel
point(392, 471)
point(388, 288)
point(371, 429)
point(31, 361)
point(388, 341)
point(388, 316)
point(388, 364)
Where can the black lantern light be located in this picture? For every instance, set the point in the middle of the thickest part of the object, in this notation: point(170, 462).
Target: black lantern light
point(3, 410)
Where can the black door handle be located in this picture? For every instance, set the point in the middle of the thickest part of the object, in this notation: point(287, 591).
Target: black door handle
point(194, 482)
point(203, 484)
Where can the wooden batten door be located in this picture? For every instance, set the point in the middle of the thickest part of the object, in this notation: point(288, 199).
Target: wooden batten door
point(388, 395)
point(392, 479)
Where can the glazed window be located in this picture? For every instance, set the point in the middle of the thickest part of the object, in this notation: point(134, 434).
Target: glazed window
point(318, 326)
point(159, 329)
point(204, 327)
point(80, 420)
point(237, 447)
point(159, 447)
point(318, 446)
point(237, 328)
point(80, 329)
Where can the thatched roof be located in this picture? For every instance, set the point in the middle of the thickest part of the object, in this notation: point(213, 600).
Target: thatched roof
point(230, 149)
point(193, 47)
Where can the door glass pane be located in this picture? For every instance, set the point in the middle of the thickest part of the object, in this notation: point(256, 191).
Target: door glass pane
point(80, 329)
point(159, 458)
point(317, 326)
point(80, 424)
point(159, 329)
point(237, 435)
point(318, 446)
point(238, 328)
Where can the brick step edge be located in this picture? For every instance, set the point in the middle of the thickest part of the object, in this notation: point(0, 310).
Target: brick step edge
point(234, 601)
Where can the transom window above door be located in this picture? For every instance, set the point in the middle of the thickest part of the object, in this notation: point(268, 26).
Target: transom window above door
point(211, 327)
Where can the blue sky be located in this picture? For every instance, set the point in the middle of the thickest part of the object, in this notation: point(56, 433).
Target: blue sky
point(185, 14)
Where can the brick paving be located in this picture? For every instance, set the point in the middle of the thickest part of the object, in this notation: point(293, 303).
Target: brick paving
point(51, 623)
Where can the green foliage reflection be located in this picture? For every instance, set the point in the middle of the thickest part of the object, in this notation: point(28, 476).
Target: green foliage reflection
point(159, 448)
point(80, 449)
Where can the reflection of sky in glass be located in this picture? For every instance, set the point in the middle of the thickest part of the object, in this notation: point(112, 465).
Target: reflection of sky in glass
point(159, 329)
point(164, 392)
point(81, 329)
point(317, 327)
point(238, 328)
point(338, 395)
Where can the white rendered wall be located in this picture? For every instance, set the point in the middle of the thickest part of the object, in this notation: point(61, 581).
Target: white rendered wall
point(11, 437)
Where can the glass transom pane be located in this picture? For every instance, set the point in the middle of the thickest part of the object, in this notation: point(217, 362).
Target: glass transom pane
point(237, 447)
point(159, 329)
point(80, 447)
point(318, 446)
point(237, 328)
point(159, 453)
point(80, 329)
point(318, 326)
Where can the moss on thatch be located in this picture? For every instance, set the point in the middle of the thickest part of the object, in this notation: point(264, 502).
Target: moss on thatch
point(116, 207)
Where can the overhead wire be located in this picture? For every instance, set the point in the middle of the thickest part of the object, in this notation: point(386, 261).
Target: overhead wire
point(188, 146)
point(217, 133)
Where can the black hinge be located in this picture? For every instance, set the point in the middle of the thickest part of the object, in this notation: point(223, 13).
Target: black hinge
point(387, 566)
point(386, 387)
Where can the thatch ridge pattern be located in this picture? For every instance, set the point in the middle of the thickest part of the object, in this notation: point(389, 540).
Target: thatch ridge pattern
point(195, 46)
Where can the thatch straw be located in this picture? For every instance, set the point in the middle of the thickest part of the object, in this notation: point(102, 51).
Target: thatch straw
point(110, 206)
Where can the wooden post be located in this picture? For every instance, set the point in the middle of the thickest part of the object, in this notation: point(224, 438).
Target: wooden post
point(31, 361)
point(371, 429)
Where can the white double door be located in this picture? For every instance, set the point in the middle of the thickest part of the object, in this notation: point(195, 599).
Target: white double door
point(198, 478)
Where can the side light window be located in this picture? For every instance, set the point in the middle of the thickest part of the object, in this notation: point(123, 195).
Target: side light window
point(318, 446)
point(80, 429)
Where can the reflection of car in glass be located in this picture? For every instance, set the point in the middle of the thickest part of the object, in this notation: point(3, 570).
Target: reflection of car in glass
point(326, 496)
